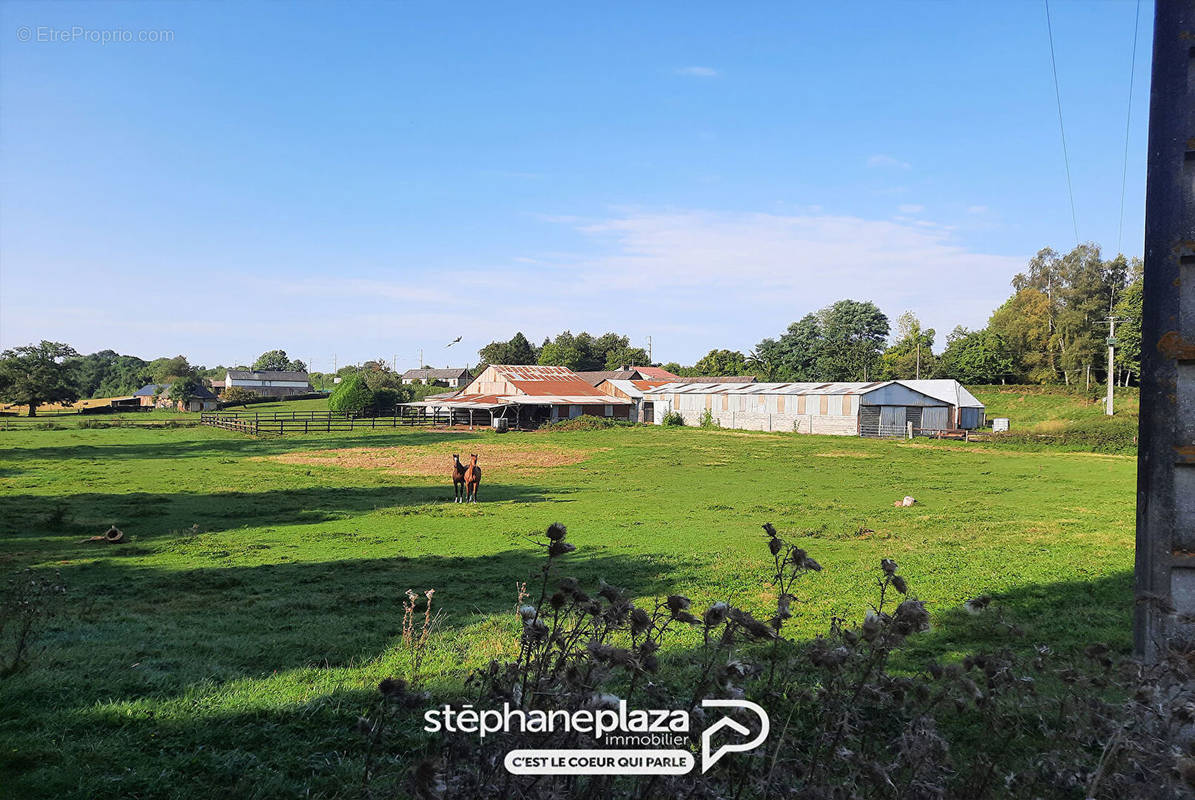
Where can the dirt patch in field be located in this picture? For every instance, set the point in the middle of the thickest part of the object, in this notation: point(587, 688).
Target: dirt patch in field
point(436, 461)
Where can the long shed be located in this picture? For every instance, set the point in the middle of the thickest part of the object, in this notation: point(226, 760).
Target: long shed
point(878, 408)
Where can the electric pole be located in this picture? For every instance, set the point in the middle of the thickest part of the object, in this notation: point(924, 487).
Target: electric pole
point(1111, 361)
point(919, 355)
point(650, 360)
point(1165, 567)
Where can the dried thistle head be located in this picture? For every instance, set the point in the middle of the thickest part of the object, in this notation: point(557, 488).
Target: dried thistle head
point(888, 565)
point(557, 532)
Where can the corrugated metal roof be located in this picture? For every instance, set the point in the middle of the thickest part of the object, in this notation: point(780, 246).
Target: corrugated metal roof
point(534, 372)
point(656, 374)
point(946, 390)
point(597, 377)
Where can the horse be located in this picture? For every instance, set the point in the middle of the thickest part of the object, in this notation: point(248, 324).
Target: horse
point(458, 479)
point(472, 479)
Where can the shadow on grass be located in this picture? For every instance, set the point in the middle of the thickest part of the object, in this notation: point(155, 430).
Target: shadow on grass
point(206, 627)
point(233, 444)
point(147, 516)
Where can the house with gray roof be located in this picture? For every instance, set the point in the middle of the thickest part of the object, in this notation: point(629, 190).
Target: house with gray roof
point(455, 377)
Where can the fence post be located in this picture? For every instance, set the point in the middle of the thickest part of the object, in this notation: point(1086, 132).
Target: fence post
point(909, 429)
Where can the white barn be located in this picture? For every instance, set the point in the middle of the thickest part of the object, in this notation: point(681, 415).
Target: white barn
point(878, 408)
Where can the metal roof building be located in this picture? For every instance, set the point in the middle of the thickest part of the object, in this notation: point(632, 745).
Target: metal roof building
point(877, 408)
point(525, 395)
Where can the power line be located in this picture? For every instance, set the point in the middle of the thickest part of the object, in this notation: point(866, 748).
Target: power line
point(1124, 174)
point(1061, 128)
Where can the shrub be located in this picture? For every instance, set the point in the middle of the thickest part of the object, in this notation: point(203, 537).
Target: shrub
point(673, 418)
point(351, 395)
point(707, 420)
point(588, 422)
point(1116, 435)
point(386, 399)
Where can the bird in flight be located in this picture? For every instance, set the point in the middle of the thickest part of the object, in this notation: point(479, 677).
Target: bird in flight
point(454, 341)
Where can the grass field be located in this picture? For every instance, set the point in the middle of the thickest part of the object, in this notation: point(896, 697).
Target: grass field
point(1047, 408)
point(228, 648)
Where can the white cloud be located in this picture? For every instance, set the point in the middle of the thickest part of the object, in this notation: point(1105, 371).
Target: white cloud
point(977, 209)
point(881, 160)
point(910, 208)
point(697, 72)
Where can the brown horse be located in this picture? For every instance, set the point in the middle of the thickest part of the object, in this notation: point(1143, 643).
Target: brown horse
point(458, 479)
point(472, 479)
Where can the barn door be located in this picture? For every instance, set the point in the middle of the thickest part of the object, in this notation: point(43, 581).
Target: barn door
point(935, 418)
point(892, 421)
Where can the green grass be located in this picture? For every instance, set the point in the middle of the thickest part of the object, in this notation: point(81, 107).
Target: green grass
point(228, 648)
point(1047, 409)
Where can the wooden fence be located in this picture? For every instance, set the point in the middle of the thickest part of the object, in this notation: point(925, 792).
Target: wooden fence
point(278, 423)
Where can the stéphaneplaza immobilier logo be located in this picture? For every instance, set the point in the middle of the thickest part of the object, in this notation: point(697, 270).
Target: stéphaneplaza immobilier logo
point(626, 741)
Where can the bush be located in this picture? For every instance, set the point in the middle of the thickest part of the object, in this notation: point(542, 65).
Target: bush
point(1117, 435)
point(588, 422)
point(351, 395)
point(707, 420)
point(673, 418)
point(236, 395)
point(386, 399)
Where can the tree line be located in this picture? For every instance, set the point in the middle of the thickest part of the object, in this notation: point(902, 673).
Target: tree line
point(1052, 329)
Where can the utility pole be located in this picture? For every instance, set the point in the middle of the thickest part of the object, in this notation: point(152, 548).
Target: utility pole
point(918, 356)
point(1165, 567)
point(333, 363)
point(650, 360)
point(1111, 361)
point(420, 358)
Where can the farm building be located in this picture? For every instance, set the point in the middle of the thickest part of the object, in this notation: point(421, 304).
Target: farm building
point(156, 395)
point(450, 376)
point(525, 395)
point(633, 390)
point(883, 408)
point(269, 383)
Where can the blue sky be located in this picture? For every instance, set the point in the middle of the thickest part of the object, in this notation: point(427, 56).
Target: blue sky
point(363, 180)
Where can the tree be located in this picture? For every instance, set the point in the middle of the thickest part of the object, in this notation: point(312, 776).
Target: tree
point(976, 357)
point(351, 395)
point(1075, 293)
point(517, 351)
point(673, 367)
point(628, 356)
point(34, 375)
point(853, 334)
point(165, 370)
point(1128, 326)
point(560, 355)
point(184, 388)
point(277, 361)
point(911, 354)
point(718, 363)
